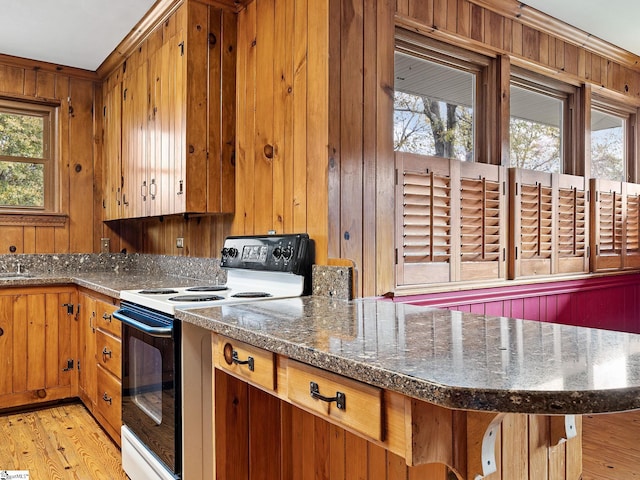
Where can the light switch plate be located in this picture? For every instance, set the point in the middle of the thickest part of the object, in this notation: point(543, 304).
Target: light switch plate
point(179, 242)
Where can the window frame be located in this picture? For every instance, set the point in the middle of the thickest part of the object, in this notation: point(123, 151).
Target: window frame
point(432, 50)
point(49, 160)
point(629, 114)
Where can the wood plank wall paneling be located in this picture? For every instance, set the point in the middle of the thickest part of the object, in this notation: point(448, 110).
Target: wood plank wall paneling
point(74, 90)
point(282, 136)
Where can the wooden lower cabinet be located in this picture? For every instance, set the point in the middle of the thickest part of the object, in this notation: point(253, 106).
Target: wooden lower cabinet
point(37, 354)
point(265, 434)
point(100, 355)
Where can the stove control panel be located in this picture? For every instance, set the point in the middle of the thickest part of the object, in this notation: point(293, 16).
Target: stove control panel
point(276, 253)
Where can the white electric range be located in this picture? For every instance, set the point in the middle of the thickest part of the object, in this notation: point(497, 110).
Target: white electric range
point(259, 268)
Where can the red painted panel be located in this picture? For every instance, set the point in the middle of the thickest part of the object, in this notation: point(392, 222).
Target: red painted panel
point(517, 308)
point(532, 308)
point(494, 308)
point(477, 308)
point(611, 302)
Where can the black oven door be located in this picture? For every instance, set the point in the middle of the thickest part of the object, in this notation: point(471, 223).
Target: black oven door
point(151, 405)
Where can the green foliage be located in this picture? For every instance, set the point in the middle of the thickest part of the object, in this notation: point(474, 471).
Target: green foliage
point(21, 182)
point(432, 127)
point(607, 153)
point(535, 146)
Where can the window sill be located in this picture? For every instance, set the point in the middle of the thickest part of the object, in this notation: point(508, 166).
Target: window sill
point(32, 219)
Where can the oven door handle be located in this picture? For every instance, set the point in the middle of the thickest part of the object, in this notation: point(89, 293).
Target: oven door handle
point(160, 332)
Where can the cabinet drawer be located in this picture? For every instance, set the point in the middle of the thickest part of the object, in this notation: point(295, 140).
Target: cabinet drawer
point(109, 398)
point(246, 361)
point(109, 352)
point(105, 319)
point(350, 403)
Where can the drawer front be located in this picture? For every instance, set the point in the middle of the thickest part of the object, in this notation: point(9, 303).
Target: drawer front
point(350, 403)
point(109, 398)
point(246, 361)
point(109, 352)
point(105, 319)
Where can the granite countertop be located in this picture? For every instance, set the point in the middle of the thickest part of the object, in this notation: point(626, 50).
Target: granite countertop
point(453, 359)
point(107, 283)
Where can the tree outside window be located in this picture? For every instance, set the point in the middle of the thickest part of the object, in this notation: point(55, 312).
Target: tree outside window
point(25, 156)
point(535, 131)
point(433, 109)
point(607, 146)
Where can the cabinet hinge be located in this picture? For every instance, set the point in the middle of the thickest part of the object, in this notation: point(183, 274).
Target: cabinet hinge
point(70, 365)
point(70, 308)
point(396, 254)
point(396, 177)
point(181, 45)
point(104, 111)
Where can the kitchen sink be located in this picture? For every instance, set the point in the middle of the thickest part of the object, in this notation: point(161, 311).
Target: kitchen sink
point(14, 275)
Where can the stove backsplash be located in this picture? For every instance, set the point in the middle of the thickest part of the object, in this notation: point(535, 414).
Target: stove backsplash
point(330, 281)
point(327, 281)
point(206, 268)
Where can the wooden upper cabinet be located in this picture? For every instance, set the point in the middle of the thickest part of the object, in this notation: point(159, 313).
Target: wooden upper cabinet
point(453, 220)
point(177, 153)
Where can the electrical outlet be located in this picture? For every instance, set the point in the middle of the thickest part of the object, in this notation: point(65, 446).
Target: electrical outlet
point(104, 245)
point(179, 242)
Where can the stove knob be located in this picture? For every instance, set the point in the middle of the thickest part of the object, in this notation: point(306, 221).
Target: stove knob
point(233, 252)
point(225, 252)
point(287, 252)
point(277, 253)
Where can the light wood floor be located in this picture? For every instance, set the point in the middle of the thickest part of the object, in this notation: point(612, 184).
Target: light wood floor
point(611, 446)
point(65, 442)
point(61, 442)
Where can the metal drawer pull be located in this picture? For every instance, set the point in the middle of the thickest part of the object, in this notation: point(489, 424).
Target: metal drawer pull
point(107, 398)
point(340, 398)
point(248, 361)
point(106, 317)
point(106, 352)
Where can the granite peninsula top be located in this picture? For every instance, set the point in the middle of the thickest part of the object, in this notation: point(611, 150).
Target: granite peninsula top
point(453, 359)
point(449, 358)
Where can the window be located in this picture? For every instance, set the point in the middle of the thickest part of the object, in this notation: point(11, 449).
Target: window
point(536, 129)
point(26, 156)
point(611, 150)
point(435, 103)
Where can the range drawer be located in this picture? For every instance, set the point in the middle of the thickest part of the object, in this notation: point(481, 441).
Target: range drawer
point(251, 363)
point(352, 404)
point(109, 402)
point(109, 352)
point(105, 319)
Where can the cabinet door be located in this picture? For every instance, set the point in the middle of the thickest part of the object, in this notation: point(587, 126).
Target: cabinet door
point(35, 346)
point(87, 348)
point(111, 135)
point(134, 133)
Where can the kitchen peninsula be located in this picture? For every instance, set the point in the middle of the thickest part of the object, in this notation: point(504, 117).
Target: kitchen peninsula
point(424, 389)
point(478, 394)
